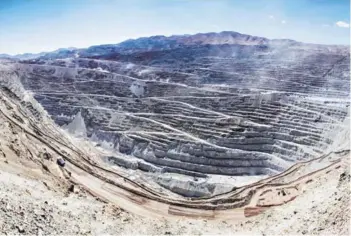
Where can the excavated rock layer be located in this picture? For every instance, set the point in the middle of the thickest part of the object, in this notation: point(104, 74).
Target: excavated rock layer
point(200, 110)
point(32, 139)
point(35, 200)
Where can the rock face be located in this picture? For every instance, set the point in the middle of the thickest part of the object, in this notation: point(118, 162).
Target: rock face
point(198, 105)
point(77, 126)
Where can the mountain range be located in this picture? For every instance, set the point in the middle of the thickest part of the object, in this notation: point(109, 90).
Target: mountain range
point(161, 43)
point(158, 42)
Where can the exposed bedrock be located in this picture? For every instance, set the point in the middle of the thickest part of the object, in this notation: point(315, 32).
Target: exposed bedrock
point(192, 188)
point(200, 110)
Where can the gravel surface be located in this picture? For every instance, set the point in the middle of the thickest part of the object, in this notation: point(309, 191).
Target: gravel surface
point(28, 206)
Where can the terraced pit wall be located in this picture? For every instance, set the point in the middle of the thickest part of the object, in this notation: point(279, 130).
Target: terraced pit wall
point(201, 111)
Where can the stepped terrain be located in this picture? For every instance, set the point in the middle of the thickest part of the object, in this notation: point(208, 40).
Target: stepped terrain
point(212, 126)
point(36, 195)
point(196, 111)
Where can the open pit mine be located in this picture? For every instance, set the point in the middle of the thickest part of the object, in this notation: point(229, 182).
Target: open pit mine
point(217, 125)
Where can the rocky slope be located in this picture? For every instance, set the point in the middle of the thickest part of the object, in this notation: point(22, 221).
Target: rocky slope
point(198, 139)
point(27, 206)
point(37, 197)
point(198, 111)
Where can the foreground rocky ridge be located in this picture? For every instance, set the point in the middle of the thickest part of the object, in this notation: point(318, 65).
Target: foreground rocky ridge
point(24, 211)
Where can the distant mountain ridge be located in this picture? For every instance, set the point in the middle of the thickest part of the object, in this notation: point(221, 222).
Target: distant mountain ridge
point(159, 43)
point(225, 37)
point(24, 56)
point(29, 56)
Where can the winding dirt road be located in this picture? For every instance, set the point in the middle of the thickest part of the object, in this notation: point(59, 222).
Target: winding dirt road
point(142, 199)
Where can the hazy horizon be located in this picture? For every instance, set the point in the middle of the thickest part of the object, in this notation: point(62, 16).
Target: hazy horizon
point(43, 26)
point(72, 47)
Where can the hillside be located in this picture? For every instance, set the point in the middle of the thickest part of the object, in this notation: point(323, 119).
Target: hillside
point(210, 133)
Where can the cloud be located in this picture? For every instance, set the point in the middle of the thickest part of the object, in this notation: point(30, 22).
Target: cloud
point(283, 22)
point(342, 24)
point(271, 17)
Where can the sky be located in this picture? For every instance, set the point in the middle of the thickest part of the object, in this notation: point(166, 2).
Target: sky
point(32, 26)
